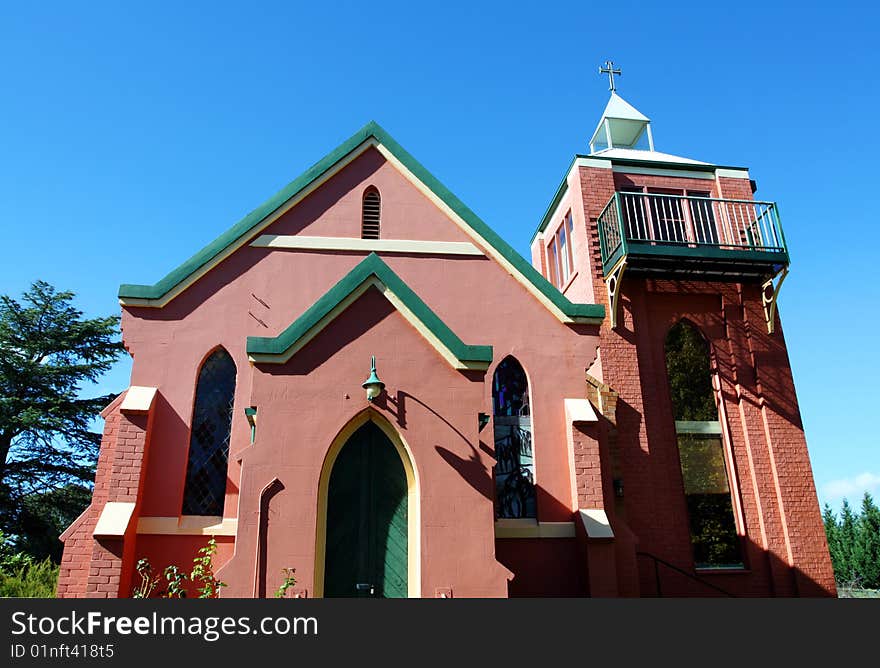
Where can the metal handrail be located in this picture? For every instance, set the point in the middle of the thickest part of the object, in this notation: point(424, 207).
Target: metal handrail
point(661, 219)
point(611, 235)
point(695, 578)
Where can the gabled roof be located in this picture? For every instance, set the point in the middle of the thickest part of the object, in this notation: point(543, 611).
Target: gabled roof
point(371, 272)
point(371, 135)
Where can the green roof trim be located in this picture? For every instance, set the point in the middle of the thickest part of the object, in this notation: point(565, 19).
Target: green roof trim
point(557, 198)
point(246, 224)
point(575, 311)
point(372, 265)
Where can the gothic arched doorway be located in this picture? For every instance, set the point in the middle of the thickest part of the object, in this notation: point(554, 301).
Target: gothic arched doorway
point(367, 531)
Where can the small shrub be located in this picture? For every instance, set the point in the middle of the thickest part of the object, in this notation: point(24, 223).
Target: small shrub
point(203, 572)
point(288, 582)
point(202, 575)
point(32, 580)
point(23, 577)
point(148, 580)
point(176, 580)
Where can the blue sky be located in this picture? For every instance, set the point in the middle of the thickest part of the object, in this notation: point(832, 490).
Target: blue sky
point(131, 136)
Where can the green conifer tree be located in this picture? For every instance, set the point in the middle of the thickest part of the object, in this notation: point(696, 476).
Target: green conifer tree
point(848, 529)
point(49, 352)
point(866, 546)
point(832, 533)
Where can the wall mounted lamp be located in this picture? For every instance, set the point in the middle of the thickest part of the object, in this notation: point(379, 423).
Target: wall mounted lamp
point(373, 385)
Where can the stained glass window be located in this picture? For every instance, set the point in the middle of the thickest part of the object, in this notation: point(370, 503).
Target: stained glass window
point(515, 467)
point(701, 450)
point(209, 440)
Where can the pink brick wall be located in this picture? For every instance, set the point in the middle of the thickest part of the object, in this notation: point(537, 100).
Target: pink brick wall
point(78, 542)
point(775, 499)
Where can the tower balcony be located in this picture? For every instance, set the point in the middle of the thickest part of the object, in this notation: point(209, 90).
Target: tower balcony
point(658, 234)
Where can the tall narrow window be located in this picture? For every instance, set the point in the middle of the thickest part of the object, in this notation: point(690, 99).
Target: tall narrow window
point(209, 440)
point(553, 260)
point(564, 255)
point(515, 467)
point(701, 450)
point(569, 228)
point(371, 212)
point(560, 255)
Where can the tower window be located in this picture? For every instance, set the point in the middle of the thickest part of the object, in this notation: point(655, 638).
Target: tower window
point(701, 450)
point(561, 257)
point(371, 212)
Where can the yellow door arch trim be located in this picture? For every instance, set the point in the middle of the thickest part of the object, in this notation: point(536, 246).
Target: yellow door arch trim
point(414, 584)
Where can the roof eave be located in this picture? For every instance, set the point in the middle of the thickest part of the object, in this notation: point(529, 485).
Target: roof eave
point(693, 166)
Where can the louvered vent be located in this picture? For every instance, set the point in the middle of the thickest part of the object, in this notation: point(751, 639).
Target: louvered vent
point(370, 222)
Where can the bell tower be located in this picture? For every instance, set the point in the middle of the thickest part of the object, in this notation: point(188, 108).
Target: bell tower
point(711, 475)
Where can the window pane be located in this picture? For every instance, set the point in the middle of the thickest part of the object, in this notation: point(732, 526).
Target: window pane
point(563, 254)
point(690, 376)
point(515, 467)
point(710, 509)
point(209, 441)
point(554, 262)
point(569, 257)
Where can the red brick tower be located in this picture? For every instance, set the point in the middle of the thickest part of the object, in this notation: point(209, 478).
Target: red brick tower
point(712, 484)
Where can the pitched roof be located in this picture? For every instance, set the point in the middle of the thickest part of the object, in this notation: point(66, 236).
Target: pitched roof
point(370, 272)
point(372, 134)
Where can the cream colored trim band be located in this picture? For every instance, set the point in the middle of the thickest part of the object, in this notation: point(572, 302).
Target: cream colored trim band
point(592, 162)
point(516, 528)
point(188, 525)
point(653, 171)
point(295, 242)
point(732, 173)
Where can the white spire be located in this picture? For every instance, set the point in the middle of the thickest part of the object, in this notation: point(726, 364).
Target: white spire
point(621, 126)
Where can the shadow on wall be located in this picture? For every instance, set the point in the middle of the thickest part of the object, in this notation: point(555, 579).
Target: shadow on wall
point(367, 312)
point(660, 578)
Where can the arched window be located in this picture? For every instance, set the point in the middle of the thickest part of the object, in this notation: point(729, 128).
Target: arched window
point(515, 467)
point(701, 450)
point(371, 212)
point(209, 438)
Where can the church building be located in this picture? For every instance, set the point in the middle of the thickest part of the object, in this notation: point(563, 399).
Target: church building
point(362, 381)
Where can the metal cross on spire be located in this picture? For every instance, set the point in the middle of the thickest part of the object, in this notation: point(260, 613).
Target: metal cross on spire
point(610, 71)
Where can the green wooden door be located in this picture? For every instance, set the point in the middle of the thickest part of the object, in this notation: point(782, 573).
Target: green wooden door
point(366, 551)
